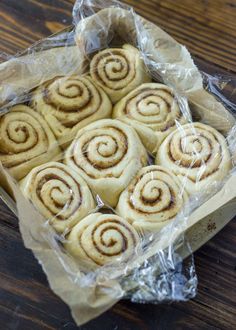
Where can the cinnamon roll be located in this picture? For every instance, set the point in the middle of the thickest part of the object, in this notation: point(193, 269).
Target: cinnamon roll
point(60, 194)
point(107, 154)
point(152, 199)
point(153, 111)
point(70, 103)
point(26, 141)
point(198, 154)
point(100, 239)
point(118, 71)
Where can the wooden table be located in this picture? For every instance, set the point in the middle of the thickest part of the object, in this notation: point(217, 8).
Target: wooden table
point(208, 29)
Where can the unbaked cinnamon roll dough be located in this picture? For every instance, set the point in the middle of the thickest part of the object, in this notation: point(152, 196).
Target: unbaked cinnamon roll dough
point(107, 154)
point(60, 194)
point(197, 154)
point(26, 141)
point(153, 110)
point(152, 199)
point(101, 239)
point(118, 71)
point(70, 103)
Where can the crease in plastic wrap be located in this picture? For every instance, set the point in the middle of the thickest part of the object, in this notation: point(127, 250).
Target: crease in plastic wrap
point(138, 225)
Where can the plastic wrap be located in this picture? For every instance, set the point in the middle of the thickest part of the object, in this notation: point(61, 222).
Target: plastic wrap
point(120, 145)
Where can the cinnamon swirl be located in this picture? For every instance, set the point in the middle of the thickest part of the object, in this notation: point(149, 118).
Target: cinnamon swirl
point(152, 199)
point(198, 154)
point(153, 111)
point(59, 193)
point(118, 71)
point(70, 103)
point(26, 141)
point(100, 239)
point(107, 154)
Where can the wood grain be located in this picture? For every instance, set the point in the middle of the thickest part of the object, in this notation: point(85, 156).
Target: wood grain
point(208, 29)
point(26, 301)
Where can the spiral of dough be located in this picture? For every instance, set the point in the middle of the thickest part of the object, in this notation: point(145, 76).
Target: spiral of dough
point(153, 111)
point(60, 194)
point(118, 71)
point(100, 239)
point(152, 199)
point(107, 154)
point(198, 154)
point(70, 103)
point(26, 141)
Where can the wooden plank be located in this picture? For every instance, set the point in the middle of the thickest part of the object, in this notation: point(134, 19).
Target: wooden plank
point(207, 28)
point(26, 301)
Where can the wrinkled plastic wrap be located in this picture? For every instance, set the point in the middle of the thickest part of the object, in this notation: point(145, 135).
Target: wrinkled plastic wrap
point(117, 184)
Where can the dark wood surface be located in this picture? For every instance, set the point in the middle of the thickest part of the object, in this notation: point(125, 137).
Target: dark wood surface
point(208, 29)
